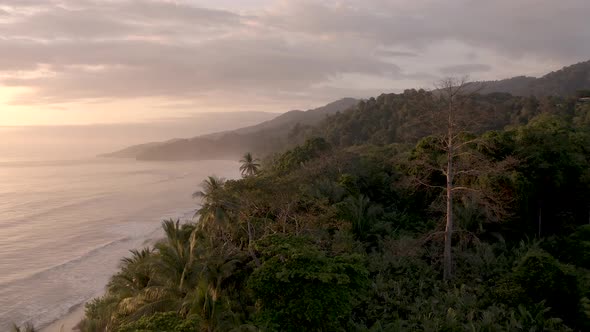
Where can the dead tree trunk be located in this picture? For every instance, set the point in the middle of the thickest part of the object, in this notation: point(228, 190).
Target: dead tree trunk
point(447, 255)
point(452, 122)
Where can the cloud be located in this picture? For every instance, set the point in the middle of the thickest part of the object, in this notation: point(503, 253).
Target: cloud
point(394, 54)
point(78, 50)
point(117, 20)
point(465, 69)
point(126, 69)
point(513, 27)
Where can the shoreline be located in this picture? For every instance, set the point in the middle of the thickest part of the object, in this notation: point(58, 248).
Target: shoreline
point(64, 296)
point(68, 322)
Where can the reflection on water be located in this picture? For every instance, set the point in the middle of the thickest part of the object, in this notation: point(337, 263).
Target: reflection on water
point(64, 225)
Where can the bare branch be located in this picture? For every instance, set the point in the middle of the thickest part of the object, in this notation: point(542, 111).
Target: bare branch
point(463, 188)
point(428, 185)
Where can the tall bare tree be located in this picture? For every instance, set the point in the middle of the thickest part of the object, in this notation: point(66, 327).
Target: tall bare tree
point(452, 120)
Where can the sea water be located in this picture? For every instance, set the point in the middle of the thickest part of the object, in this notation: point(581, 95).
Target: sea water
point(65, 225)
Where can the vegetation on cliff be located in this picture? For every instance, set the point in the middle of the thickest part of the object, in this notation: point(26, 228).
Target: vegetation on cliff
point(346, 231)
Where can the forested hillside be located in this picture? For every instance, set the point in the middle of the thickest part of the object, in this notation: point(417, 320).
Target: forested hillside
point(564, 82)
point(513, 101)
point(400, 118)
point(263, 138)
point(346, 232)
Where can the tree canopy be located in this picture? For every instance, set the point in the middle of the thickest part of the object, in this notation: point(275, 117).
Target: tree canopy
point(345, 231)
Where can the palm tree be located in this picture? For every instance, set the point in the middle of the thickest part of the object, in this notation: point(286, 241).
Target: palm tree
point(250, 166)
point(158, 280)
point(215, 206)
point(26, 328)
point(135, 275)
point(206, 299)
point(361, 212)
point(211, 185)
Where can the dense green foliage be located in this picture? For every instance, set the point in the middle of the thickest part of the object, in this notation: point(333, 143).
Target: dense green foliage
point(336, 234)
point(301, 287)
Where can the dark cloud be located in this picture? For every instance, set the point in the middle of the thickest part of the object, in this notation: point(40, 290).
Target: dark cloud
point(71, 50)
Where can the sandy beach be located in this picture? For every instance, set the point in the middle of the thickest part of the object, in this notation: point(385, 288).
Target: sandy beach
point(66, 323)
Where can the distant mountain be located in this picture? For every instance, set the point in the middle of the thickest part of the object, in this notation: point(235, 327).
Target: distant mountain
point(133, 151)
point(293, 127)
point(564, 82)
point(262, 138)
point(308, 118)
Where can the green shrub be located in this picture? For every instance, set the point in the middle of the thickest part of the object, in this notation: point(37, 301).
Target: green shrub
point(162, 322)
point(538, 276)
point(301, 288)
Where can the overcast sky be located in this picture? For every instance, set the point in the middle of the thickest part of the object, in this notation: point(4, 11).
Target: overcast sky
point(88, 61)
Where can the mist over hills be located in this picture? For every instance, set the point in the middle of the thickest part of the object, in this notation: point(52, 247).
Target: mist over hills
point(291, 128)
point(564, 82)
point(65, 142)
point(264, 137)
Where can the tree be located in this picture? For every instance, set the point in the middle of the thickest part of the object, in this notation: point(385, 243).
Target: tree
point(164, 321)
point(215, 204)
point(250, 166)
point(303, 288)
point(455, 153)
point(211, 185)
point(361, 212)
point(26, 328)
point(135, 275)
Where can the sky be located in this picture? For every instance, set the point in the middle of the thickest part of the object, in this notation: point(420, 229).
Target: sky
point(113, 61)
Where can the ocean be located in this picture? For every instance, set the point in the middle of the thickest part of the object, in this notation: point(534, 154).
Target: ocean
point(65, 225)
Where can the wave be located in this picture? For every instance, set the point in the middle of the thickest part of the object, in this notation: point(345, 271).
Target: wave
point(44, 163)
point(44, 316)
point(148, 237)
point(67, 263)
point(170, 177)
point(66, 205)
point(72, 306)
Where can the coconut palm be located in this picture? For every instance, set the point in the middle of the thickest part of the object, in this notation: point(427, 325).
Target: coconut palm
point(214, 213)
point(176, 253)
point(26, 328)
point(250, 166)
point(206, 299)
point(211, 198)
point(211, 185)
point(159, 280)
point(135, 275)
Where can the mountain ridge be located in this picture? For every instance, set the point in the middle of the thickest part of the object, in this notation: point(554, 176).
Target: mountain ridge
point(273, 135)
point(264, 137)
point(564, 82)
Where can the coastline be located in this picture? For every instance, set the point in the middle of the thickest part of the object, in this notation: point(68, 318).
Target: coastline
point(58, 303)
point(68, 322)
